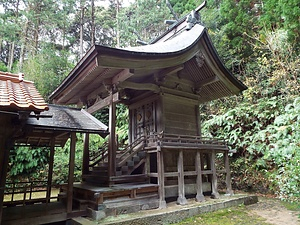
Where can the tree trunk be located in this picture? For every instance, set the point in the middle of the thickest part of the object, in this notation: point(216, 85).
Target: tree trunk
point(81, 28)
point(23, 47)
point(11, 56)
point(93, 23)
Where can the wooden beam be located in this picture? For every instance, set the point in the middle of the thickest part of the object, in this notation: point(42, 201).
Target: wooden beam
point(112, 139)
point(71, 172)
point(179, 93)
point(214, 180)
point(171, 70)
point(50, 169)
point(122, 76)
point(199, 196)
point(86, 153)
point(198, 120)
point(229, 190)
point(207, 81)
point(161, 178)
point(212, 63)
point(103, 103)
point(140, 86)
point(181, 200)
point(69, 89)
point(4, 158)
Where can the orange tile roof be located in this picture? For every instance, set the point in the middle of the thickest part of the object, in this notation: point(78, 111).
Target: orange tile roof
point(19, 94)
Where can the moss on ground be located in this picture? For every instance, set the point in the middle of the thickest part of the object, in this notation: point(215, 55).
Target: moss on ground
point(230, 216)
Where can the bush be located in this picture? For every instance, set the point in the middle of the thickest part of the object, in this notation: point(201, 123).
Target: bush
point(266, 136)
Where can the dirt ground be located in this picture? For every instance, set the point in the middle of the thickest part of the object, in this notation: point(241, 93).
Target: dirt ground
point(274, 212)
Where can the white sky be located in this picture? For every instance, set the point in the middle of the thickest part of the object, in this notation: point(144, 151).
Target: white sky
point(97, 2)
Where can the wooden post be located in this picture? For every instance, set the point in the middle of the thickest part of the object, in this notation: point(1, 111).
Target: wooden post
point(199, 196)
point(214, 182)
point(198, 120)
point(147, 164)
point(4, 159)
point(229, 190)
point(181, 200)
point(161, 178)
point(71, 172)
point(86, 154)
point(50, 169)
point(112, 140)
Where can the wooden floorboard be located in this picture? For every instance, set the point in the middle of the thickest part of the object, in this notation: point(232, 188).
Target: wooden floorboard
point(34, 214)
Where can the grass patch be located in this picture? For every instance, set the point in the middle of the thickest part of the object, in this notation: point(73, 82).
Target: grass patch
point(230, 216)
point(34, 195)
point(293, 206)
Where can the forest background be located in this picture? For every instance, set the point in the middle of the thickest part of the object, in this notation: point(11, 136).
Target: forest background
point(258, 41)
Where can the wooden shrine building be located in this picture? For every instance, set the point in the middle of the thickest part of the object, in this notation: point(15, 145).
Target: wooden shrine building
point(162, 84)
point(26, 120)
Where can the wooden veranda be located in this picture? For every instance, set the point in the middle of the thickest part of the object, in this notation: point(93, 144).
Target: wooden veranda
point(53, 128)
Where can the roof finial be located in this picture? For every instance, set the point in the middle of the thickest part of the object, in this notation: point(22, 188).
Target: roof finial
point(194, 16)
point(21, 76)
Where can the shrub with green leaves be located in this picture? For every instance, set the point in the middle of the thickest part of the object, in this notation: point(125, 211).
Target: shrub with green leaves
point(266, 136)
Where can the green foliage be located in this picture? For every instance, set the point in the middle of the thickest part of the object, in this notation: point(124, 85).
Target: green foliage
point(47, 69)
point(3, 67)
point(184, 7)
point(143, 20)
point(266, 136)
point(122, 124)
point(61, 162)
point(281, 15)
point(28, 163)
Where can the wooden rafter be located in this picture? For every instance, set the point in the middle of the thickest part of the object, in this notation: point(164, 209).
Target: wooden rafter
point(103, 102)
point(140, 86)
point(122, 76)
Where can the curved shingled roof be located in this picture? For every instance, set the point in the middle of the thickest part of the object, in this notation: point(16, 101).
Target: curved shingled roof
point(182, 62)
point(17, 94)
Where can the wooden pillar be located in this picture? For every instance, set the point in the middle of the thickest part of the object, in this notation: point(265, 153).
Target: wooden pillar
point(228, 176)
point(50, 169)
point(71, 172)
point(147, 164)
point(86, 154)
point(181, 194)
point(161, 178)
point(112, 139)
point(198, 125)
point(214, 181)
point(199, 196)
point(4, 159)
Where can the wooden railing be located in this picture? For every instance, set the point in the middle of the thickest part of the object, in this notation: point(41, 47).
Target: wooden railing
point(131, 150)
point(23, 193)
point(122, 154)
point(163, 139)
point(99, 155)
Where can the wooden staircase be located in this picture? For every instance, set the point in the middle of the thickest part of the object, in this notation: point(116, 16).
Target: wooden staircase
point(129, 165)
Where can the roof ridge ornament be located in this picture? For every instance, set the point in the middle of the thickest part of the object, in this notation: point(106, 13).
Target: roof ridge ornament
point(194, 16)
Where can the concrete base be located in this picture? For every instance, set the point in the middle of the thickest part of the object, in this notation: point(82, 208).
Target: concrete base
point(174, 214)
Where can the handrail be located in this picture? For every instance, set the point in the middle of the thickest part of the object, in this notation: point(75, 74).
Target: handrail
point(163, 138)
point(100, 155)
point(24, 191)
point(131, 150)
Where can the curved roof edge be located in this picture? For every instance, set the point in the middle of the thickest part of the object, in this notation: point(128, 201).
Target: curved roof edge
point(173, 50)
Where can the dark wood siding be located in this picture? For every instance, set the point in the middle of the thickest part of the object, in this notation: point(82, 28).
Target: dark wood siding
point(180, 116)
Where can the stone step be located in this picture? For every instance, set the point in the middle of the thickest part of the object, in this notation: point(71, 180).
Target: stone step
point(141, 154)
point(90, 178)
point(136, 158)
point(130, 163)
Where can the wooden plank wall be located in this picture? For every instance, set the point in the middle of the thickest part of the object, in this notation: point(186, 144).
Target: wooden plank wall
point(180, 116)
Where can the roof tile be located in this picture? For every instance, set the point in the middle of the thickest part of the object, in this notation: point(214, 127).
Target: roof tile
point(19, 94)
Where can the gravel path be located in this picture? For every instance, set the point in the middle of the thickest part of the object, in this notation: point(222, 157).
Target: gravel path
point(274, 212)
